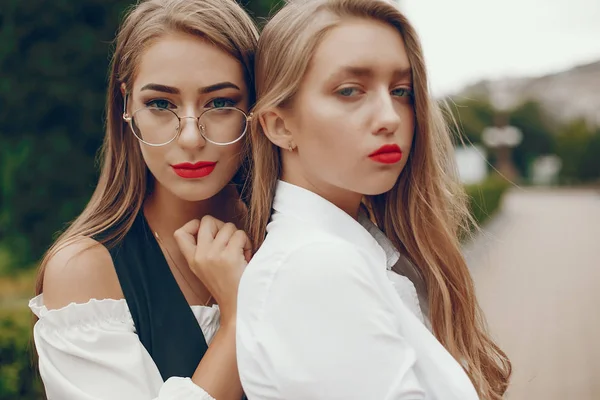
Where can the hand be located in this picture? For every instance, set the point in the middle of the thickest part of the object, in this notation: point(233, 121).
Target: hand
point(217, 253)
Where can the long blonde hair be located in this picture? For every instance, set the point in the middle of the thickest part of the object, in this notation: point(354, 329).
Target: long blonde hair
point(124, 179)
point(426, 210)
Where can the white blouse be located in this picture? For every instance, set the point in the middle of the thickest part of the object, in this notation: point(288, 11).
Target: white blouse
point(91, 352)
point(322, 317)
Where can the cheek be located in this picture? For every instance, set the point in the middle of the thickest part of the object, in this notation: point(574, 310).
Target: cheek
point(154, 157)
point(231, 156)
point(407, 130)
point(325, 124)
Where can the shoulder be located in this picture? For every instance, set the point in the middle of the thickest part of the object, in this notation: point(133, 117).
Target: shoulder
point(319, 257)
point(330, 252)
point(80, 271)
point(331, 263)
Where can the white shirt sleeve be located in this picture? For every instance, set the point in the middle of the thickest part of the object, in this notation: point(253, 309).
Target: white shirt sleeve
point(321, 331)
point(91, 352)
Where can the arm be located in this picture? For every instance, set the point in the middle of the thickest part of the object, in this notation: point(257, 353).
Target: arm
point(217, 373)
point(324, 331)
point(217, 253)
point(88, 352)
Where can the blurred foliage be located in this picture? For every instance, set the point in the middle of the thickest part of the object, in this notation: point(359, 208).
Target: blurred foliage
point(53, 97)
point(538, 135)
point(485, 197)
point(262, 9)
point(474, 115)
point(54, 60)
point(469, 117)
point(578, 145)
point(18, 380)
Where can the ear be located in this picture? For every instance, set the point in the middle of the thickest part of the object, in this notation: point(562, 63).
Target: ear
point(123, 89)
point(274, 127)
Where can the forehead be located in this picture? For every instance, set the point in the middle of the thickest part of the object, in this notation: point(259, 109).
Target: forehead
point(182, 60)
point(361, 42)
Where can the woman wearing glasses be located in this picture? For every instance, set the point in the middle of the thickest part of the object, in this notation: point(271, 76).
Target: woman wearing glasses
point(122, 315)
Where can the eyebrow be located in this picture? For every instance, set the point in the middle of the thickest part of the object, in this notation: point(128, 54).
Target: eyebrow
point(367, 72)
point(173, 90)
point(218, 86)
point(402, 73)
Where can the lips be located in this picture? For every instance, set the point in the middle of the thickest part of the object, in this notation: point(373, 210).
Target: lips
point(387, 154)
point(194, 170)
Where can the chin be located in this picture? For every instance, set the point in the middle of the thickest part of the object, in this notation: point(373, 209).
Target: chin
point(196, 191)
point(378, 186)
point(194, 196)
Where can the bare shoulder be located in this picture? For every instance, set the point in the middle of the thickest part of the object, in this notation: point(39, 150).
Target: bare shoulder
point(80, 271)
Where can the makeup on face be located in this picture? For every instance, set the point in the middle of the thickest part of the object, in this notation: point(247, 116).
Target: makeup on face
point(196, 170)
point(387, 154)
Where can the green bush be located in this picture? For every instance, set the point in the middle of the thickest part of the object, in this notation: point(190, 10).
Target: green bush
point(18, 377)
point(579, 149)
point(485, 197)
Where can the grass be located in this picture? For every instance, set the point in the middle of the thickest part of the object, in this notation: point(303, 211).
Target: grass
point(18, 377)
point(15, 285)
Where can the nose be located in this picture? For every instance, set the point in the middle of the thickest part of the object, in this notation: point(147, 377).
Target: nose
point(387, 116)
point(190, 135)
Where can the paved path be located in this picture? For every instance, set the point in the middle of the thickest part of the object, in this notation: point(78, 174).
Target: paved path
point(537, 273)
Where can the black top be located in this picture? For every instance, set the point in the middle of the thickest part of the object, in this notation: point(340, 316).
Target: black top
point(163, 319)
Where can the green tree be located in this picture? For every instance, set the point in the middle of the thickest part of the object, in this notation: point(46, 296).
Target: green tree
point(578, 146)
point(538, 136)
point(590, 164)
point(56, 56)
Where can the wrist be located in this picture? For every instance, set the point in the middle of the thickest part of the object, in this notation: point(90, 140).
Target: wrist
point(227, 321)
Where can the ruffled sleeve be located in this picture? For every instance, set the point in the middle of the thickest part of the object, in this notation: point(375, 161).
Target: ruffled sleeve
point(91, 352)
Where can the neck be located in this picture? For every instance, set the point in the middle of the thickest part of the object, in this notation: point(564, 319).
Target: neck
point(166, 212)
point(345, 200)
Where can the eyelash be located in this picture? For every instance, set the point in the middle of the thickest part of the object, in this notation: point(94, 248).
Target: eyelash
point(347, 88)
point(229, 103)
point(406, 92)
point(152, 103)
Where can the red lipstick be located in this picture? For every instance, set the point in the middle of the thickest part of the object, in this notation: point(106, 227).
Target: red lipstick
point(195, 170)
point(387, 154)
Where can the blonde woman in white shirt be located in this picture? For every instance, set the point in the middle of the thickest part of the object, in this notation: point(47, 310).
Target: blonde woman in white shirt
point(353, 167)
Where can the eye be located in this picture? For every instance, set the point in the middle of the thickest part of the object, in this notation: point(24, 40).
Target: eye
point(348, 91)
point(160, 103)
point(402, 92)
point(220, 103)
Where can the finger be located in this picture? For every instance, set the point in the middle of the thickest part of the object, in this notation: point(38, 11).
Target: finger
point(185, 237)
point(224, 235)
point(240, 242)
point(208, 230)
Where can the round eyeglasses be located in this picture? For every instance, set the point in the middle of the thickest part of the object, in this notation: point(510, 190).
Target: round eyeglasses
point(156, 126)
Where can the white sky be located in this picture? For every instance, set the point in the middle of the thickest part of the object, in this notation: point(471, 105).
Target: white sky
point(467, 40)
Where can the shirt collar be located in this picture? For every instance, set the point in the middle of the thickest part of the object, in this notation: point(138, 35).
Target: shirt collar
point(310, 207)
